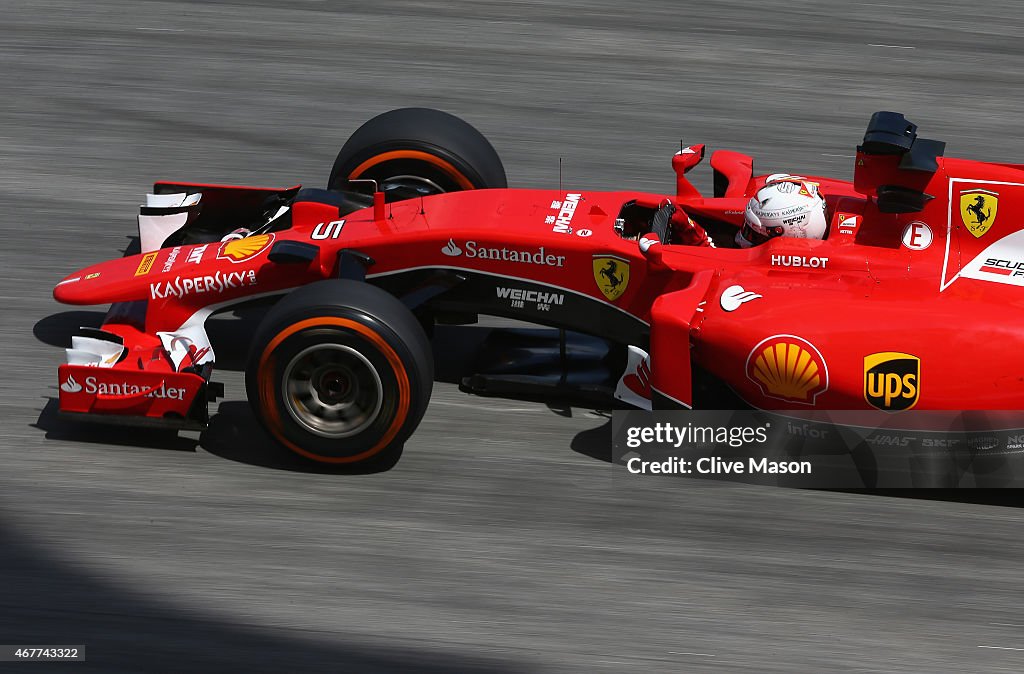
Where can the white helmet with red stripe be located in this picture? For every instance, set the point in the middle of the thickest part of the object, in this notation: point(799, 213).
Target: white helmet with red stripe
point(786, 206)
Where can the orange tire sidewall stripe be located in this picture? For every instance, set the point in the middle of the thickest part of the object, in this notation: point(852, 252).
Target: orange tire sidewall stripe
point(267, 385)
point(445, 166)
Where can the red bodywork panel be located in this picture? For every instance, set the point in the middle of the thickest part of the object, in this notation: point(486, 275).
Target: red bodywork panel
point(891, 311)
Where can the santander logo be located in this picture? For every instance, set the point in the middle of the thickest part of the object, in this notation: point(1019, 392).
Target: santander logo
point(451, 250)
point(71, 386)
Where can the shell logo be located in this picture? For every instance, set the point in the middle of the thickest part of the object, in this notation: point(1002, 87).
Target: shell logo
point(240, 250)
point(788, 368)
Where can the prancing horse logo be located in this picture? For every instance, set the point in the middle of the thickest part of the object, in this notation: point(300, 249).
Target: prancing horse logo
point(978, 210)
point(611, 274)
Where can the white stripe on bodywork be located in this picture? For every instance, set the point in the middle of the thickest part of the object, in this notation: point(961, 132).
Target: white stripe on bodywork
point(106, 353)
point(511, 278)
point(635, 357)
point(949, 224)
point(673, 399)
point(154, 229)
point(1007, 248)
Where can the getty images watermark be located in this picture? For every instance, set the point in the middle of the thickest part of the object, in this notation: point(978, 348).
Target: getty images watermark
point(825, 449)
point(690, 435)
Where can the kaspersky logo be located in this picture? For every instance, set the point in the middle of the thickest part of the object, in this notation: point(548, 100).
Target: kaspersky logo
point(892, 380)
point(71, 386)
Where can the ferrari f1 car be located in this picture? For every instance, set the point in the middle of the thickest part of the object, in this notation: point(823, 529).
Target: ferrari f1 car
point(908, 301)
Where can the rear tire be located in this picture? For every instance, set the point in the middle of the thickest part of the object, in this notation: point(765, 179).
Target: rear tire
point(420, 149)
point(340, 372)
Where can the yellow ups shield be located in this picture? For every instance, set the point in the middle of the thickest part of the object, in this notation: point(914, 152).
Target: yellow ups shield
point(612, 275)
point(978, 210)
point(892, 380)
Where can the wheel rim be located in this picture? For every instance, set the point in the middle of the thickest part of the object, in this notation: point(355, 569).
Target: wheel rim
point(423, 167)
point(332, 390)
point(418, 184)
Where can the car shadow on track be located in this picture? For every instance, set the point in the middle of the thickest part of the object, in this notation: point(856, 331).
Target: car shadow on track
point(56, 329)
point(56, 428)
point(236, 434)
point(49, 598)
point(1007, 498)
point(595, 443)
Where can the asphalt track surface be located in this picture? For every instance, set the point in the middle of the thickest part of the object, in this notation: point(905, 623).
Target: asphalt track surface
point(500, 542)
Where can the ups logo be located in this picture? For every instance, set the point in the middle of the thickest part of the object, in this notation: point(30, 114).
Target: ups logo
point(892, 380)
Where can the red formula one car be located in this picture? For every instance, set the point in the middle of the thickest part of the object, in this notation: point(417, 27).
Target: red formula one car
point(908, 301)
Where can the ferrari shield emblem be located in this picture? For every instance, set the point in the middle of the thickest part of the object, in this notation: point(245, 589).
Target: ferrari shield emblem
point(978, 210)
point(241, 250)
point(612, 275)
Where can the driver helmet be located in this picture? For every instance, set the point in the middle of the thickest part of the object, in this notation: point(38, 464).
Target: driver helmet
point(786, 206)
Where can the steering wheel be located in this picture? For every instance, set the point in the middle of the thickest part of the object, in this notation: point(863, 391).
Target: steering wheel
point(661, 224)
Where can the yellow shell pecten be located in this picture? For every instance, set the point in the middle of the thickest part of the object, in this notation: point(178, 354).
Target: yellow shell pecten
point(244, 248)
point(787, 370)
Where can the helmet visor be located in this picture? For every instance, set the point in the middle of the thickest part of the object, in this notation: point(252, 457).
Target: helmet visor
point(755, 237)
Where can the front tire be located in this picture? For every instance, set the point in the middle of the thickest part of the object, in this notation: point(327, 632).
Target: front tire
point(415, 151)
point(340, 372)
